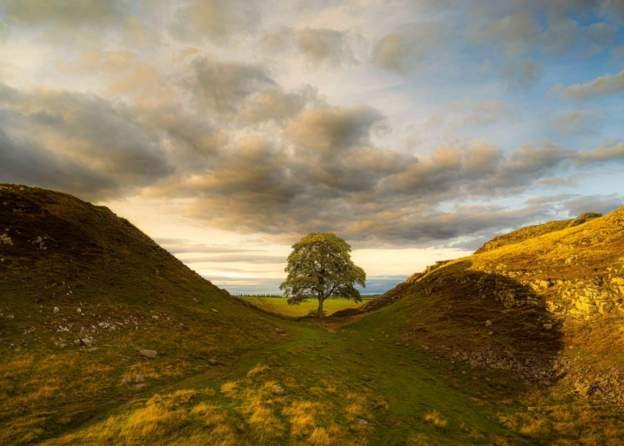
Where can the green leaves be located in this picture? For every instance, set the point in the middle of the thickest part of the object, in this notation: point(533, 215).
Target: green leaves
point(320, 266)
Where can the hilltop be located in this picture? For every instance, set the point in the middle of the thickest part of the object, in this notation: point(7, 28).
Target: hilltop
point(106, 338)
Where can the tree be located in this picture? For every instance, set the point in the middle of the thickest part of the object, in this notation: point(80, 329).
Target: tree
point(320, 267)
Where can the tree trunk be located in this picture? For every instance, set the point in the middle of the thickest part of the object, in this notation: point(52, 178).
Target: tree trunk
point(319, 311)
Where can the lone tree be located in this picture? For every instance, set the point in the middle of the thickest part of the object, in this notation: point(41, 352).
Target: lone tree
point(320, 267)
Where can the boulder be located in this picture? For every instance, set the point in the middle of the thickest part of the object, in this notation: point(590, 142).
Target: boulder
point(146, 353)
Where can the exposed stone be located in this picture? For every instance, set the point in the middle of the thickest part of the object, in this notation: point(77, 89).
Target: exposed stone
point(6, 240)
point(146, 353)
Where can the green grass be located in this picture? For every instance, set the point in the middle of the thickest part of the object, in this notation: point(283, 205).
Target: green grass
point(226, 374)
point(279, 305)
point(350, 386)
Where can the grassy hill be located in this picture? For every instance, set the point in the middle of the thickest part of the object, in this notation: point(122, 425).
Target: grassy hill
point(545, 303)
point(82, 292)
point(105, 338)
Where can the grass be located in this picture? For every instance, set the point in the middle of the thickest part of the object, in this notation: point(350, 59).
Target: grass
point(280, 305)
point(226, 374)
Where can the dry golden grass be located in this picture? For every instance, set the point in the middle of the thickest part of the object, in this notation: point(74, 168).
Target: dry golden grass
point(436, 419)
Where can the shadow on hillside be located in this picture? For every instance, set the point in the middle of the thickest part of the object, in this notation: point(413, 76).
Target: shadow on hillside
point(487, 319)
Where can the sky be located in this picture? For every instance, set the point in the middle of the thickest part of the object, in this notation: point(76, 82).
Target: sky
point(228, 129)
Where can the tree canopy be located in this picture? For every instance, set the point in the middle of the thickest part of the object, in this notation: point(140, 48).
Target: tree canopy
point(320, 267)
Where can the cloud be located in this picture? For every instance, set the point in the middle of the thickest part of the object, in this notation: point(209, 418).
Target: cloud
point(318, 46)
point(251, 115)
point(275, 104)
point(601, 34)
point(370, 193)
point(92, 136)
point(60, 12)
point(27, 163)
point(578, 122)
point(519, 74)
point(125, 74)
point(237, 258)
point(324, 46)
point(184, 246)
point(613, 152)
point(223, 86)
point(593, 203)
point(218, 20)
point(601, 86)
point(392, 52)
point(514, 32)
point(403, 49)
point(329, 129)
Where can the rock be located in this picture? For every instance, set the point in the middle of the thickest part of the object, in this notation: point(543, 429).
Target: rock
point(488, 323)
point(86, 341)
point(78, 310)
point(39, 242)
point(6, 240)
point(146, 353)
point(213, 361)
point(56, 309)
point(548, 326)
point(362, 421)
point(214, 310)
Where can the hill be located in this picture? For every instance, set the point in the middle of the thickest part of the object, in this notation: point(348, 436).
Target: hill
point(105, 338)
point(535, 231)
point(85, 299)
point(544, 302)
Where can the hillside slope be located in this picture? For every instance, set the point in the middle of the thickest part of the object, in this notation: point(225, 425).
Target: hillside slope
point(549, 307)
point(533, 231)
point(85, 300)
point(105, 338)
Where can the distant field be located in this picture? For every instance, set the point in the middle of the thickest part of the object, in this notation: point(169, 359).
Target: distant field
point(281, 306)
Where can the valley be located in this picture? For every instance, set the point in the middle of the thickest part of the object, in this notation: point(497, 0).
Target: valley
point(108, 339)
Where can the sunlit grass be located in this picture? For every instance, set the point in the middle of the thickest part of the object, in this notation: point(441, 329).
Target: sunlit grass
point(281, 306)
